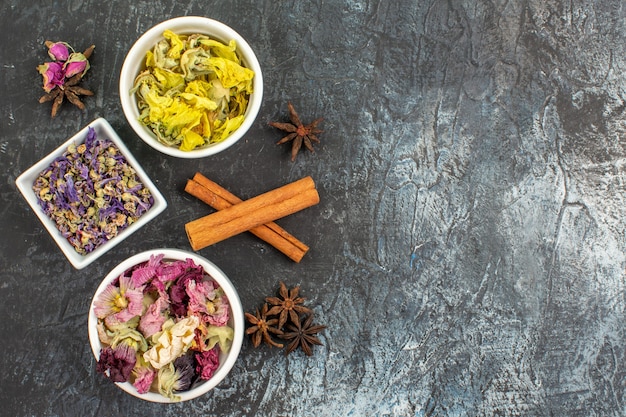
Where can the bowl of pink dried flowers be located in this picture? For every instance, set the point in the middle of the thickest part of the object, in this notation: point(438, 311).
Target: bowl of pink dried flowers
point(166, 325)
point(191, 87)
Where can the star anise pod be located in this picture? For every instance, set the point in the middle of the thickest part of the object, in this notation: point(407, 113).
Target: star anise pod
point(299, 134)
point(261, 328)
point(70, 91)
point(287, 305)
point(302, 334)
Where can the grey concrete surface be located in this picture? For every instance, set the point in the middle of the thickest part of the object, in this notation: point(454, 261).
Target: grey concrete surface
point(467, 255)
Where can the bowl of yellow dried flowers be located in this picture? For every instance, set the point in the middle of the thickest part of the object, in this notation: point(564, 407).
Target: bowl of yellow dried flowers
point(191, 87)
point(166, 325)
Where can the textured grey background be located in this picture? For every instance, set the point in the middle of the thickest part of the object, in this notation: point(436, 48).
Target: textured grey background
point(468, 251)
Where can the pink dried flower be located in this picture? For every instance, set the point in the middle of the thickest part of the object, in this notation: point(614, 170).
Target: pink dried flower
point(59, 51)
point(68, 66)
point(144, 375)
point(220, 316)
point(146, 271)
point(77, 63)
point(123, 302)
point(199, 294)
point(154, 317)
point(205, 299)
point(53, 75)
point(207, 362)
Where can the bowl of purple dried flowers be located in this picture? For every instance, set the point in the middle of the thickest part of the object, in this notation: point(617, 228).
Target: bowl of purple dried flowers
point(90, 193)
point(166, 325)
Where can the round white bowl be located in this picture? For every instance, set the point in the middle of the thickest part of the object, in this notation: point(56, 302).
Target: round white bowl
point(134, 63)
point(236, 321)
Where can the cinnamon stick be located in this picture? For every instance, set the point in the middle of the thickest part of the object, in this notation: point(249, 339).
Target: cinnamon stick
point(220, 198)
point(259, 210)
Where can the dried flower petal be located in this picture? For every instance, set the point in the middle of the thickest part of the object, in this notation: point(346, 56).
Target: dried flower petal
point(154, 317)
point(59, 51)
point(123, 302)
point(172, 342)
point(144, 375)
point(221, 336)
point(185, 372)
point(117, 364)
point(176, 376)
point(76, 63)
point(144, 272)
point(129, 337)
point(53, 75)
point(166, 382)
point(178, 291)
point(207, 362)
point(204, 298)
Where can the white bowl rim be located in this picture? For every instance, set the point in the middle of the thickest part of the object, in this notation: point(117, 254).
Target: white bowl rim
point(187, 25)
point(236, 309)
point(25, 181)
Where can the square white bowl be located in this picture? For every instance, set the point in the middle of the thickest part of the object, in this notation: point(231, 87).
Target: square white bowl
point(26, 180)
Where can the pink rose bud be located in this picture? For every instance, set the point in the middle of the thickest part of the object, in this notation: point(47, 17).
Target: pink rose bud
point(52, 73)
point(77, 63)
point(59, 51)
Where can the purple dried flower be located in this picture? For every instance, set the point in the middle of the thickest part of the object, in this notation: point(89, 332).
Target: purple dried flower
point(91, 143)
point(178, 291)
point(117, 364)
point(174, 270)
point(185, 371)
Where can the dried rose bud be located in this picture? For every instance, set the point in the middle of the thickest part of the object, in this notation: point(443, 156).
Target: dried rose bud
point(59, 51)
point(53, 75)
point(77, 63)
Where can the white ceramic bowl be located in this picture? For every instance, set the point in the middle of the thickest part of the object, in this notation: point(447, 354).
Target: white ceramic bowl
point(227, 360)
point(25, 182)
point(134, 63)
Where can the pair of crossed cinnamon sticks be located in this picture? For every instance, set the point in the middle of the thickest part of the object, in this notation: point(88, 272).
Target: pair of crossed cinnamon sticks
point(255, 215)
